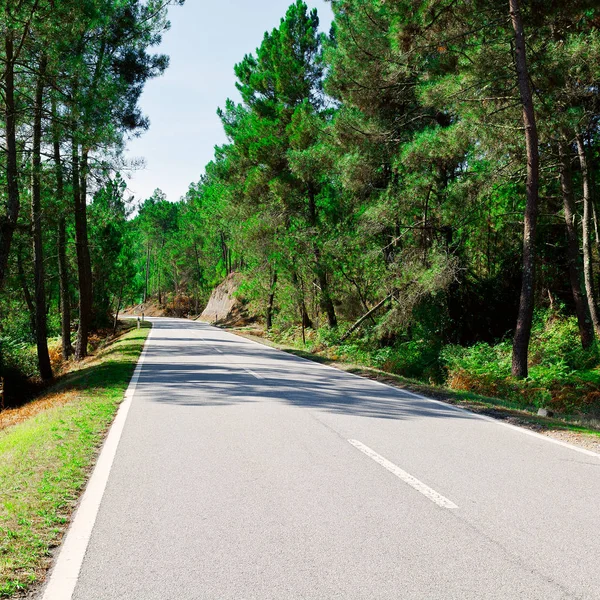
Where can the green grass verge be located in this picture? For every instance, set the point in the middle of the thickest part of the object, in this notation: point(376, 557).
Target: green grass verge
point(46, 460)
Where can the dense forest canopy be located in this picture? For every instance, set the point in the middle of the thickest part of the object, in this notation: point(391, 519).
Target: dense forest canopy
point(418, 185)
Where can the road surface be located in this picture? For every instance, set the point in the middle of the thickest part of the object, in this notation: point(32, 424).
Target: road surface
point(246, 473)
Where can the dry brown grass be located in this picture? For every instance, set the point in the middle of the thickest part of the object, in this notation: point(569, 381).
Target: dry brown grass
point(13, 416)
point(463, 381)
point(150, 309)
point(98, 341)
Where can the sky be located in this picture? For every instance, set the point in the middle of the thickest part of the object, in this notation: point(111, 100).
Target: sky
point(207, 38)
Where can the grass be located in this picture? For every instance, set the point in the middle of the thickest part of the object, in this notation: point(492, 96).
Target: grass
point(45, 460)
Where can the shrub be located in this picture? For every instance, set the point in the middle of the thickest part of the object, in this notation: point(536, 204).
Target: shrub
point(555, 345)
point(563, 375)
point(415, 358)
point(18, 356)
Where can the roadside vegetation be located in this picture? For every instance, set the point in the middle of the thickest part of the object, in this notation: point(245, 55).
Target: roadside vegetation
point(71, 77)
point(47, 449)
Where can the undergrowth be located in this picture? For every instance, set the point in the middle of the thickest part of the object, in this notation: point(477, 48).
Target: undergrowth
point(562, 375)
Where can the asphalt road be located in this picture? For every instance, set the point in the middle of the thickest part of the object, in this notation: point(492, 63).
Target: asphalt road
point(235, 479)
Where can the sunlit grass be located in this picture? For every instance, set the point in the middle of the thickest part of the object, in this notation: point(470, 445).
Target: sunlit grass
point(45, 460)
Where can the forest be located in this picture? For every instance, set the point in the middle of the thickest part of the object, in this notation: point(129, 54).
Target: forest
point(415, 190)
point(72, 75)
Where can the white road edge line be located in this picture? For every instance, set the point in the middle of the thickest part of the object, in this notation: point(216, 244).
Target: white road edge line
point(529, 432)
point(404, 476)
point(65, 574)
point(213, 347)
point(431, 400)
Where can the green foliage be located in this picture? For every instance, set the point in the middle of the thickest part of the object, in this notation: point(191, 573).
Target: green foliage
point(553, 346)
point(73, 75)
point(111, 249)
point(18, 356)
point(563, 375)
point(286, 68)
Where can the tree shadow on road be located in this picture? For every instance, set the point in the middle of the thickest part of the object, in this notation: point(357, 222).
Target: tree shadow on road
point(174, 375)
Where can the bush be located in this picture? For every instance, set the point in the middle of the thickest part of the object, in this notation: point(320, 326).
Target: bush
point(562, 375)
point(415, 358)
point(356, 353)
point(555, 345)
point(18, 356)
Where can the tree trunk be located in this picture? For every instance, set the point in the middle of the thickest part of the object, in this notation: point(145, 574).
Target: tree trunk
point(586, 224)
point(592, 165)
point(586, 331)
point(271, 301)
point(8, 222)
point(224, 252)
point(119, 301)
point(361, 296)
point(198, 266)
point(369, 314)
point(325, 298)
point(526, 302)
point(305, 319)
point(147, 272)
point(596, 232)
point(41, 326)
point(199, 280)
point(63, 270)
point(26, 293)
point(425, 242)
point(326, 302)
point(83, 259)
point(65, 301)
point(159, 290)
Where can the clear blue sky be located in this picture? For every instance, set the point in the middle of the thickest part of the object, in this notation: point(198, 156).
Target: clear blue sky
point(206, 39)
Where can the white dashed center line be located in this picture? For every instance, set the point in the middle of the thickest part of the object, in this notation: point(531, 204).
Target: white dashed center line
point(406, 477)
point(253, 373)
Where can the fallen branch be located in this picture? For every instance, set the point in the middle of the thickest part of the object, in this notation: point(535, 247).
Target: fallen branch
point(366, 316)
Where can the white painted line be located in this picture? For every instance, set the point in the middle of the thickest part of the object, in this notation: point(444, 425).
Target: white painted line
point(253, 373)
point(406, 477)
point(213, 347)
point(496, 421)
point(543, 437)
point(65, 574)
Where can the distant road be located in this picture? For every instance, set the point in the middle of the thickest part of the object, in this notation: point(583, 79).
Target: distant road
point(246, 473)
